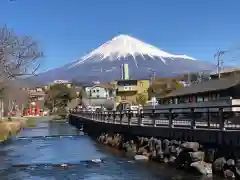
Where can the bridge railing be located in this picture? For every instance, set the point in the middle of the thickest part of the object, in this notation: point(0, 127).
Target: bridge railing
point(221, 117)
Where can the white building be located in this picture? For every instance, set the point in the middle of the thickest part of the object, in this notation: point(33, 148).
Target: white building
point(101, 91)
point(99, 94)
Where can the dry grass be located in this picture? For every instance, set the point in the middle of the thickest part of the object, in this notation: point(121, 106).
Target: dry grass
point(10, 128)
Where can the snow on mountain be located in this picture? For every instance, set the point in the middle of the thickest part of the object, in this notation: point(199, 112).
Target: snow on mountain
point(103, 63)
point(123, 46)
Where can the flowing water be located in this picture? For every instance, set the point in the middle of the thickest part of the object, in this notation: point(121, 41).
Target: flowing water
point(56, 151)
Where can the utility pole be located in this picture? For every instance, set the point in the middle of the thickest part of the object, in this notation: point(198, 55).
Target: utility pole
point(152, 79)
point(152, 76)
point(219, 61)
point(200, 76)
point(189, 79)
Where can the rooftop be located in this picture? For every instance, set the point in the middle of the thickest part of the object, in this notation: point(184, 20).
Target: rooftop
point(106, 86)
point(228, 70)
point(207, 86)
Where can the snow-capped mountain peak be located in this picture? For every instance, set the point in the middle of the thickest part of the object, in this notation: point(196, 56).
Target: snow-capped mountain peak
point(104, 63)
point(123, 46)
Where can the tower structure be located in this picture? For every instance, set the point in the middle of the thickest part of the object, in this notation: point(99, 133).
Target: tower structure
point(124, 72)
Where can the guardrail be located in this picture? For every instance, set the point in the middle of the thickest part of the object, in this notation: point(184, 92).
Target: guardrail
point(215, 118)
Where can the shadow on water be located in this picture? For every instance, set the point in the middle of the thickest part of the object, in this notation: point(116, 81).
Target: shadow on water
point(55, 150)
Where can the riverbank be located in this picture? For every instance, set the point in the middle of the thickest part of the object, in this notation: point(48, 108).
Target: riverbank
point(11, 127)
point(189, 156)
point(36, 156)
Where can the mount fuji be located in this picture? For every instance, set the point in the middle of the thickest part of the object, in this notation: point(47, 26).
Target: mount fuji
point(103, 63)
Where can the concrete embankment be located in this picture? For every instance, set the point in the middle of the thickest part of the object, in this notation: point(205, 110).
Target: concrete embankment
point(10, 129)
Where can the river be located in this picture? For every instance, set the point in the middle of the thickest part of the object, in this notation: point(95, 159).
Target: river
point(40, 153)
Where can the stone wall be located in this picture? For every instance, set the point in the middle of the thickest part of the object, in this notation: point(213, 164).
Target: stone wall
point(196, 151)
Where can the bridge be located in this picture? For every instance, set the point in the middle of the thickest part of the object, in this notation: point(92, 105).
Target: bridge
point(218, 125)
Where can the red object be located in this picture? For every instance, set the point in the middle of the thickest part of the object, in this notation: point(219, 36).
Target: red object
point(36, 109)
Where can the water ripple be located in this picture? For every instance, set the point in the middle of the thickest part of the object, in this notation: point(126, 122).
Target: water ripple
point(56, 151)
point(48, 137)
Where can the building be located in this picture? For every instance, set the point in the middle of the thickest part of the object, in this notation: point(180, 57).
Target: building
point(101, 91)
point(214, 91)
point(99, 94)
point(127, 90)
point(36, 94)
point(225, 73)
point(67, 83)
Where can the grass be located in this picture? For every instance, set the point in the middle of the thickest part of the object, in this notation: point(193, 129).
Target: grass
point(10, 128)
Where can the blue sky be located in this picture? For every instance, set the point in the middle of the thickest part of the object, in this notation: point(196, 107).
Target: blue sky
point(68, 29)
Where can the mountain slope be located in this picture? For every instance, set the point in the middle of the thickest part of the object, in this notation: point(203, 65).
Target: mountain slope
point(104, 63)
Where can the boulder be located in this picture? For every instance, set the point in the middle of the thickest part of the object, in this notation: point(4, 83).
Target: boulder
point(230, 163)
point(228, 174)
point(183, 160)
point(197, 156)
point(140, 140)
point(126, 145)
point(165, 160)
point(173, 149)
point(238, 163)
point(209, 155)
point(172, 159)
point(140, 157)
point(130, 148)
point(101, 138)
point(117, 141)
point(154, 155)
point(237, 173)
point(109, 140)
point(158, 144)
point(142, 150)
point(218, 165)
point(202, 167)
point(191, 146)
point(178, 149)
point(174, 142)
point(165, 144)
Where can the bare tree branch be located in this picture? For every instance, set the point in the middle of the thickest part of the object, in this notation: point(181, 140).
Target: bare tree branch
point(19, 56)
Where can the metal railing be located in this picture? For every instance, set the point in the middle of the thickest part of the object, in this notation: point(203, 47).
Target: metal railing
point(218, 118)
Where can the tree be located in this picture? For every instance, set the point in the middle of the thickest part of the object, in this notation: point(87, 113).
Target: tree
point(19, 57)
point(141, 98)
point(58, 97)
point(15, 97)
